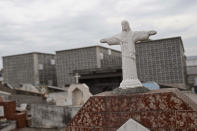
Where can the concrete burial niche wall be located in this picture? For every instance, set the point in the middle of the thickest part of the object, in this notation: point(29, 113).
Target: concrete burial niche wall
point(78, 94)
point(51, 116)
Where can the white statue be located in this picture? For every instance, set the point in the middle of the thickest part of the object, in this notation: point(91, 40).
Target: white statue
point(127, 39)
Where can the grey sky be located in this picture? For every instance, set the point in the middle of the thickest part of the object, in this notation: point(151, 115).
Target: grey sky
point(51, 25)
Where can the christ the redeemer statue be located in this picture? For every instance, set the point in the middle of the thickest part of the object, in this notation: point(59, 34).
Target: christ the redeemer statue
point(127, 39)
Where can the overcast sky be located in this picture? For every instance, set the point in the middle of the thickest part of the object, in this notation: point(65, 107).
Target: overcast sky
point(51, 25)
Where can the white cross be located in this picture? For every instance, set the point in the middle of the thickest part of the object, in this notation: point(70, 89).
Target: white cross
point(77, 78)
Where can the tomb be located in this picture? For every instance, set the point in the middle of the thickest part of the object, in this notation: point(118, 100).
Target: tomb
point(78, 94)
point(164, 109)
point(77, 97)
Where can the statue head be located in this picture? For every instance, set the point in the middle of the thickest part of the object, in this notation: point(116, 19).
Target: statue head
point(125, 25)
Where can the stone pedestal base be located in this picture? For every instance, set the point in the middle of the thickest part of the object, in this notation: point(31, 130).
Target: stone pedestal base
point(131, 83)
point(120, 91)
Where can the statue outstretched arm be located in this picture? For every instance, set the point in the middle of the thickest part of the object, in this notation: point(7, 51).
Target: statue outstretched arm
point(114, 40)
point(143, 35)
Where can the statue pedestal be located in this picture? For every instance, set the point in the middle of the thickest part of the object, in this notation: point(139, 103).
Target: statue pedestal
point(130, 83)
point(163, 110)
point(129, 91)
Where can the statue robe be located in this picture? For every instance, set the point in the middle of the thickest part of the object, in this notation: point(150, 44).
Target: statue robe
point(127, 42)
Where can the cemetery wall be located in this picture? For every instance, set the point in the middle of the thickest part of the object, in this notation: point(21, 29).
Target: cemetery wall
point(51, 116)
point(27, 99)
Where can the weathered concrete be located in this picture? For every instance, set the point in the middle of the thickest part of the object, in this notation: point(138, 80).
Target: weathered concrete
point(121, 91)
point(191, 95)
point(60, 98)
point(40, 129)
point(5, 95)
point(78, 94)
point(8, 126)
point(21, 99)
point(30, 88)
point(50, 116)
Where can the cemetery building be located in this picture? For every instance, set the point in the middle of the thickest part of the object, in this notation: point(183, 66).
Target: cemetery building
point(30, 68)
point(162, 61)
point(71, 62)
point(1, 75)
point(191, 69)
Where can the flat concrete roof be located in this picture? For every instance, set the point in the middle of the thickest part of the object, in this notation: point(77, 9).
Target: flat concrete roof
point(191, 57)
point(94, 46)
point(28, 54)
point(162, 39)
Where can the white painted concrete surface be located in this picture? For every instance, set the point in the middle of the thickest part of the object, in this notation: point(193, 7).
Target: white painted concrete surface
point(132, 125)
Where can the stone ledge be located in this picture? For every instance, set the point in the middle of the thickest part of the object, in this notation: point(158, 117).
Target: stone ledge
point(120, 91)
